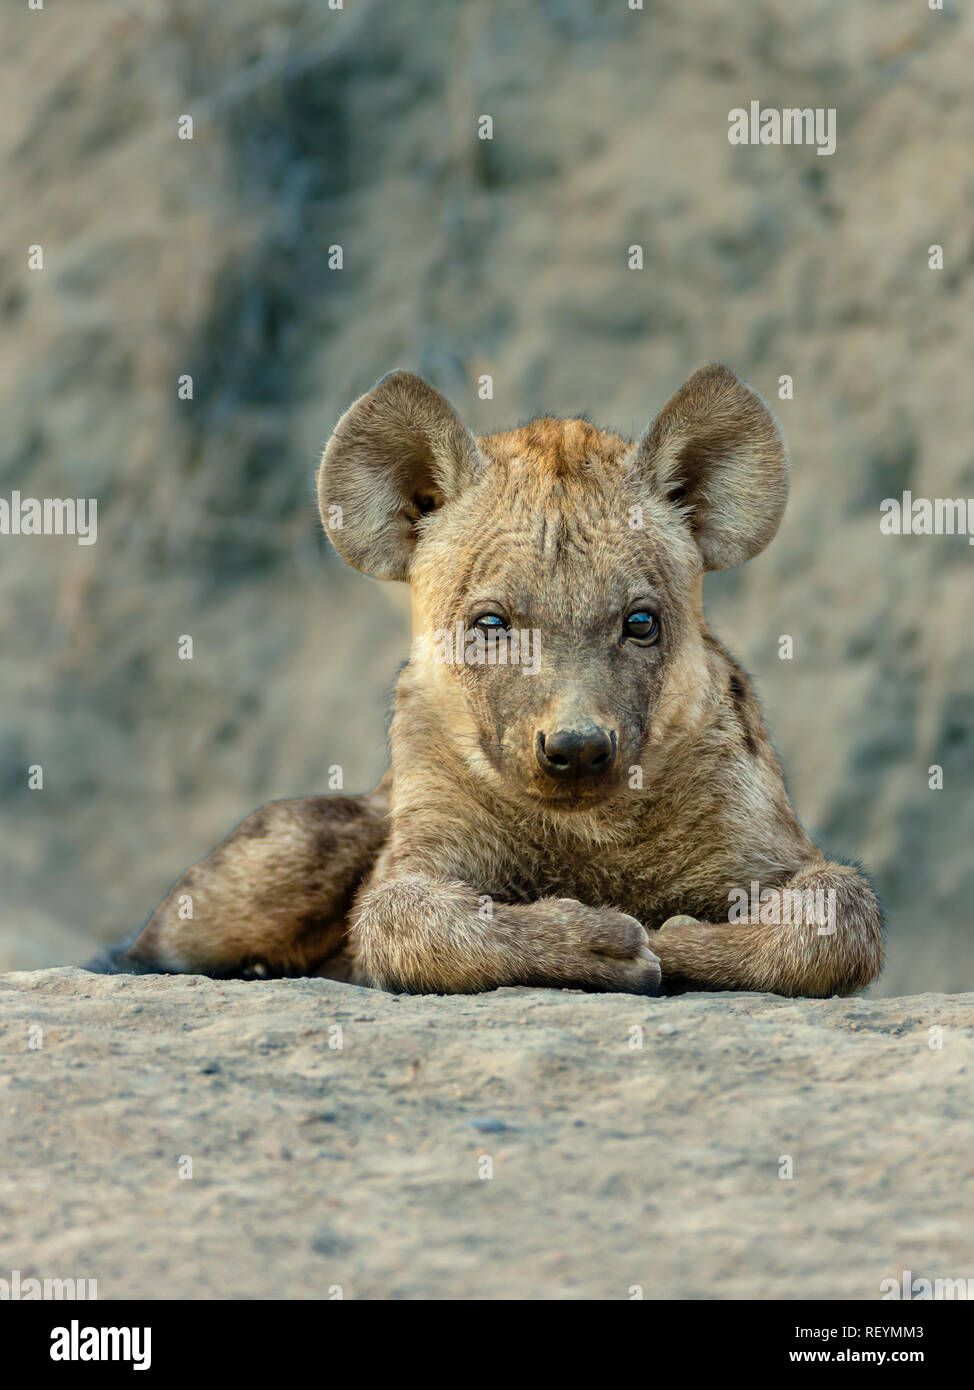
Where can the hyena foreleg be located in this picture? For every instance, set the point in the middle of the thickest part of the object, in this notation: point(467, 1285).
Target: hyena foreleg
point(825, 938)
point(420, 935)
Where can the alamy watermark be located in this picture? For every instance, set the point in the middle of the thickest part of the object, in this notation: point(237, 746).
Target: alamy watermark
point(77, 1343)
point(925, 516)
point(50, 516)
point(814, 907)
point(460, 646)
point(912, 1290)
point(791, 125)
point(24, 1288)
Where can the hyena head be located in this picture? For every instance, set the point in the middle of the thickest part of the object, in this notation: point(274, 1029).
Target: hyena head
point(556, 571)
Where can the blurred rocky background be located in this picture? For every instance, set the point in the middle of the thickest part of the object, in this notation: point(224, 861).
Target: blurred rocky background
point(357, 127)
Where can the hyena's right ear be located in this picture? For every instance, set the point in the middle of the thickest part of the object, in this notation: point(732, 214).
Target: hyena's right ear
point(397, 454)
point(715, 454)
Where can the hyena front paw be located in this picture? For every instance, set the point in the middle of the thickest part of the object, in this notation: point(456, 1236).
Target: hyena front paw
point(608, 950)
point(672, 940)
point(681, 919)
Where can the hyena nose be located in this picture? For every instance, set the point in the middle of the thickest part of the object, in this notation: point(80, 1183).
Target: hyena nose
point(571, 753)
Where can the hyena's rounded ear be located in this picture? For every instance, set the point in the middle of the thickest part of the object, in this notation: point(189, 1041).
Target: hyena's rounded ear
point(715, 454)
point(400, 452)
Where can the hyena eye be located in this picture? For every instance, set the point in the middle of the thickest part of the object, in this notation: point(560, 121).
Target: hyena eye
point(489, 623)
point(642, 627)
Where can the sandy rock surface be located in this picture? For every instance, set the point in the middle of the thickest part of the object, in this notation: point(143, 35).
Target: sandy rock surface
point(362, 1166)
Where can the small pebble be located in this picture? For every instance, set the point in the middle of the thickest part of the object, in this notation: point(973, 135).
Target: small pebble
point(273, 1148)
point(325, 1241)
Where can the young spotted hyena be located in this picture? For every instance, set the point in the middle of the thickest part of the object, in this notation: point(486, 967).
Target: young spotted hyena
point(581, 783)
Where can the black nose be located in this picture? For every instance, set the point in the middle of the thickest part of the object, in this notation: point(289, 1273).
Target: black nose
point(568, 753)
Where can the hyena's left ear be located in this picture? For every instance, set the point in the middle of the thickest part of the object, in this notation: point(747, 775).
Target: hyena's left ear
point(715, 454)
point(398, 453)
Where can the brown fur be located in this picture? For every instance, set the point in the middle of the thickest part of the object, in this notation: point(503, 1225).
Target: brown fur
point(473, 866)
